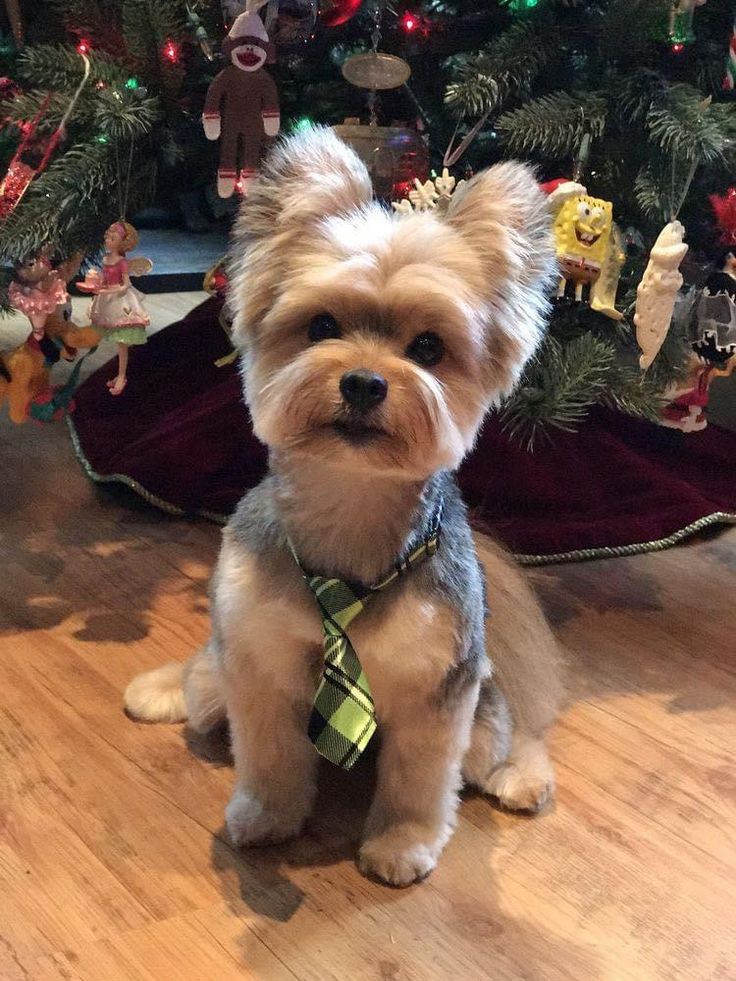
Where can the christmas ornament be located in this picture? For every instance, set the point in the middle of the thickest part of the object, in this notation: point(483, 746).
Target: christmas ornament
point(216, 283)
point(729, 82)
point(520, 6)
point(25, 370)
point(117, 311)
point(392, 154)
point(290, 23)
point(332, 13)
point(724, 208)
point(34, 151)
point(604, 289)
point(376, 71)
point(712, 331)
point(657, 291)
point(199, 32)
point(37, 292)
point(688, 400)
point(680, 26)
point(242, 105)
point(582, 229)
point(431, 195)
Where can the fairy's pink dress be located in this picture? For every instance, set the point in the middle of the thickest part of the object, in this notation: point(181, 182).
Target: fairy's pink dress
point(38, 299)
point(121, 315)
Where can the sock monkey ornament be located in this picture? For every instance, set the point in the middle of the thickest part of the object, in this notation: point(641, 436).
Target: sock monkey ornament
point(242, 104)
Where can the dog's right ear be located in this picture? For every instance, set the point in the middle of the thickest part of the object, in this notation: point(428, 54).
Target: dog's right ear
point(305, 178)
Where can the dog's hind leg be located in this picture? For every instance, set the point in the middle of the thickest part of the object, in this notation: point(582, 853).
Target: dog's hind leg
point(527, 669)
point(490, 739)
point(177, 692)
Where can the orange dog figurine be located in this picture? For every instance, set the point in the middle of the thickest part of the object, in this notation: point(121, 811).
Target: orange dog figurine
point(25, 370)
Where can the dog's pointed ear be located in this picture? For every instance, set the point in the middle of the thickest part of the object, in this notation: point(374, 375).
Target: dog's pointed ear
point(305, 179)
point(503, 216)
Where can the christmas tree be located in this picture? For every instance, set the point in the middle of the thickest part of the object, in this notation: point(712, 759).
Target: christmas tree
point(625, 97)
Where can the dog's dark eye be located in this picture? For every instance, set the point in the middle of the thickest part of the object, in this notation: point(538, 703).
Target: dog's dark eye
point(323, 327)
point(426, 349)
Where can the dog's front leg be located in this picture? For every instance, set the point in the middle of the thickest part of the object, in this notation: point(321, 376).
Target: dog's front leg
point(413, 812)
point(275, 762)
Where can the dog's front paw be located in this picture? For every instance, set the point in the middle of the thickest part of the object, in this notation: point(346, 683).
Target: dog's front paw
point(400, 855)
point(520, 788)
point(250, 823)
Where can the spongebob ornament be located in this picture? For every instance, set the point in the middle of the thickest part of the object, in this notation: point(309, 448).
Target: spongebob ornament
point(587, 250)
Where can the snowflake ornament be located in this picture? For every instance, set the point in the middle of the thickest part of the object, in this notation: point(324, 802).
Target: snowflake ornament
point(446, 183)
point(430, 196)
point(424, 196)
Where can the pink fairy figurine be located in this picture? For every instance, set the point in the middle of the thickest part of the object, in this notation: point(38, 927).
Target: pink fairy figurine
point(37, 292)
point(117, 311)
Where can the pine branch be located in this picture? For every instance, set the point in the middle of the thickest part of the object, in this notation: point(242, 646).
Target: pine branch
point(122, 115)
point(635, 95)
point(651, 195)
point(553, 125)
point(558, 388)
point(691, 127)
point(117, 113)
point(82, 180)
point(509, 64)
point(59, 68)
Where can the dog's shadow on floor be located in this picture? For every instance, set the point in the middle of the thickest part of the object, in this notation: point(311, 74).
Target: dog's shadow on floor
point(259, 877)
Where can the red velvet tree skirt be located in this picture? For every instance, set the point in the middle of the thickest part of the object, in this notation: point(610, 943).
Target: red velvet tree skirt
point(181, 437)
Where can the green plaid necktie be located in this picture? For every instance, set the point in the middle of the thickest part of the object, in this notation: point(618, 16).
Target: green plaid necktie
point(343, 718)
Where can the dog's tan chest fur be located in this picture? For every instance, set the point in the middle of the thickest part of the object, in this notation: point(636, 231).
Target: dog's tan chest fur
point(266, 614)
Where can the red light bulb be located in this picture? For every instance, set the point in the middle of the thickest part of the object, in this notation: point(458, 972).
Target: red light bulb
point(677, 48)
point(83, 46)
point(171, 52)
point(409, 22)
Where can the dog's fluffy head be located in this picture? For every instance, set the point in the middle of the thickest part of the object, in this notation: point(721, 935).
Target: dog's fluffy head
point(313, 255)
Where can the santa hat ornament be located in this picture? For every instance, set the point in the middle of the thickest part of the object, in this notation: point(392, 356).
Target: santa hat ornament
point(560, 190)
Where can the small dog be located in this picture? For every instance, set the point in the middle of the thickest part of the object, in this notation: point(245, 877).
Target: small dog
point(372, 346)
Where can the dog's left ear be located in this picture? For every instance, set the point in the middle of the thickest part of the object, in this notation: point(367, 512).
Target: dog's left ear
point(503, 217)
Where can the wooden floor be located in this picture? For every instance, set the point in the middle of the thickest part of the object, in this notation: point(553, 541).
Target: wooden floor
point(113, 860)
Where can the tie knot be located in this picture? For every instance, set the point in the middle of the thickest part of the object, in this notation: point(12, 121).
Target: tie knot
point(338, 600)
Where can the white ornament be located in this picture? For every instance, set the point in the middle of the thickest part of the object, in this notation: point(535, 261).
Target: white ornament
point(657, 291)
point(424, 196)
point(431, 195)
point(402, 207)
point(446, 183)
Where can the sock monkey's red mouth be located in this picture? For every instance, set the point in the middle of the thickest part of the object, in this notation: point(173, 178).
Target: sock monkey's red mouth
point(248, 59)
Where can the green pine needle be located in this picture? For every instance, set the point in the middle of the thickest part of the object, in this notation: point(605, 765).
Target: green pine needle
point(554, 124)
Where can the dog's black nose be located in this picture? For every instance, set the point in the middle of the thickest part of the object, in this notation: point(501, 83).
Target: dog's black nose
point(363, 389)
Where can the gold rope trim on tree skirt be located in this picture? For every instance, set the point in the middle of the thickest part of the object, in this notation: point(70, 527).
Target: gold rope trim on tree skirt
point(580, 555)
